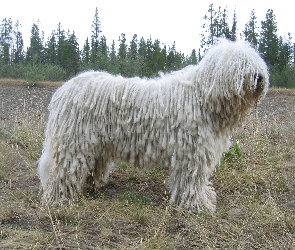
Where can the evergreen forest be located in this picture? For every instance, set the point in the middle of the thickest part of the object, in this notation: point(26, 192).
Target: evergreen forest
point(60, 56)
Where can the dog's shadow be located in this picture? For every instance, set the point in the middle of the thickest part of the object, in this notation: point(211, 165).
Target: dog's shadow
point(129, 184)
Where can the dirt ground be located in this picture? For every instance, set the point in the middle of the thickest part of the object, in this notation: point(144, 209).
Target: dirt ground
point(132, 211)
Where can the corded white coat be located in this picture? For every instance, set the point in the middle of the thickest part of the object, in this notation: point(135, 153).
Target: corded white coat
point(183, 120)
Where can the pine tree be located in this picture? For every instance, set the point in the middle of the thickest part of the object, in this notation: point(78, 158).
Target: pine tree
point(250, 33)
point(208, 34)
point(282, 74)
point(35, 53)
point(222, 24)
point(132, 56)
point(61, 38)
point(18, 48)
point(132, 51)
point(102, 56)
point(159, 57)
point(113, 64)
point(122, 54)
point(142, 57)
point(95, 36)
point(164, 57)
point(149, 61)
point(6, 40)
point(171, 58)
point(50, 50)
point(180, 59)
point(269, 41)
point(285, 51)
point(73, 53)
point(86, 53)
point(215, 26)
point(193, 57)
point(233, 32)
point(68, 54)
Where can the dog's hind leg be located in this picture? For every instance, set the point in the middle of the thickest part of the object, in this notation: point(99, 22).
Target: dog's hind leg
point(100, 173)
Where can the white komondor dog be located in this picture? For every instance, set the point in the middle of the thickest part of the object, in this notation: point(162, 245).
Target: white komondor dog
point(183, 120)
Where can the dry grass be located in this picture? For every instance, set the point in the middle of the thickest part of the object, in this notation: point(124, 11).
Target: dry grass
point(255, 184)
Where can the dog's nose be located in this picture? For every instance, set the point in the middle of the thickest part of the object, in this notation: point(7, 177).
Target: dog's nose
point(259, 86)
point(258, 77)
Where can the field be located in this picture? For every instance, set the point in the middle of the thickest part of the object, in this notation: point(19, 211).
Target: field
point(255, 184)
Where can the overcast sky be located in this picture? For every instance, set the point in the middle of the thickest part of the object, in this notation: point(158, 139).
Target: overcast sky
point(166, 20)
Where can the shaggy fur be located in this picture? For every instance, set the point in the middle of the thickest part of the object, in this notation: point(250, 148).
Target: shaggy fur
point(183, 120)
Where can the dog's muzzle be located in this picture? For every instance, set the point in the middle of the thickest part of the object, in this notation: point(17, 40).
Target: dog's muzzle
point(258, 79)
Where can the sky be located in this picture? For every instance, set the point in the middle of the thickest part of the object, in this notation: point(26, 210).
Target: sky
point(166, 20)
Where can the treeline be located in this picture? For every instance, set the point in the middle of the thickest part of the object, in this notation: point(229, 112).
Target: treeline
point(275, 50)
point(60, 56)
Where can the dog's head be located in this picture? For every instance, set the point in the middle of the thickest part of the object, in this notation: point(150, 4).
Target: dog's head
point(231, 78)
point(234, 68)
